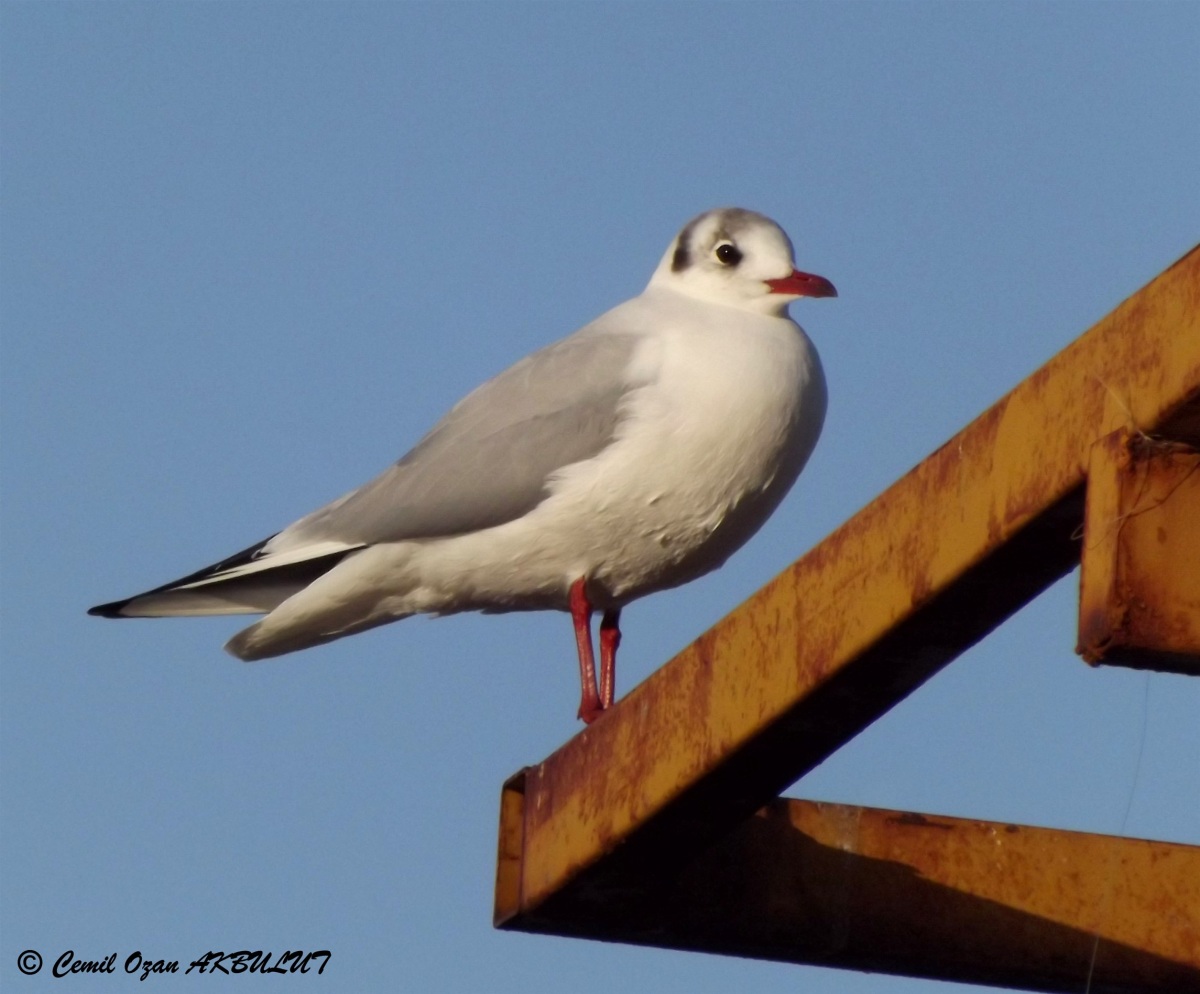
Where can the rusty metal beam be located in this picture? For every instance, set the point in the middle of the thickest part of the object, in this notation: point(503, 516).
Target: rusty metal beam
point(1139, 590)
point(961, 542)
point(923, 895)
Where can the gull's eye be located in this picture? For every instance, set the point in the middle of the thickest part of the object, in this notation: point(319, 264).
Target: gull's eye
point(727, 254)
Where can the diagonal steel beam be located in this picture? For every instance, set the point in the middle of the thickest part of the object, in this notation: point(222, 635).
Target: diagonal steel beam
point(929, 896)
point(961, 542)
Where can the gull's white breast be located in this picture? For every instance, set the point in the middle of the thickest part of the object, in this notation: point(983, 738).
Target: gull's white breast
point(727, 410)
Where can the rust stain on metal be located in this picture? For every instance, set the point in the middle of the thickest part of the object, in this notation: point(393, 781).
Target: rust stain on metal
point(912, 818)
point(922, 572)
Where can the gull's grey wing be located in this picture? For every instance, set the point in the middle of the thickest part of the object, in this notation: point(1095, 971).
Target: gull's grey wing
point(489, 459)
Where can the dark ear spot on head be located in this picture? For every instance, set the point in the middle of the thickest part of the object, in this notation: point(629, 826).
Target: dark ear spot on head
point(679, 260)
point(683, 256)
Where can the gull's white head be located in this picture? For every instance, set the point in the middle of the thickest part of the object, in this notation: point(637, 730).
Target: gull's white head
point(739, 258)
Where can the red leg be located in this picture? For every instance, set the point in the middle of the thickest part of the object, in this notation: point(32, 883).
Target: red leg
point(581, 614)
point(610, 638)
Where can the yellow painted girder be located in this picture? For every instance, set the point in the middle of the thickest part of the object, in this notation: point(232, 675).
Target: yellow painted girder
point(962, 541)
point(927, 895)
point(1139, 591)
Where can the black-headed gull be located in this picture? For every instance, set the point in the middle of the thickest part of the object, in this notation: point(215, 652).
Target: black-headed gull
point(633, 456)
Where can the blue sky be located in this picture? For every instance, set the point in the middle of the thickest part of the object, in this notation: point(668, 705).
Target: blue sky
point(251, 252)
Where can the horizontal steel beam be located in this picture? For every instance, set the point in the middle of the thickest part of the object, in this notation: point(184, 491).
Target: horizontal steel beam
point(924, 895)
point(927, 569)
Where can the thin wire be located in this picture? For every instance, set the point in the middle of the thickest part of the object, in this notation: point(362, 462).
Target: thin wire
point(1137, 772)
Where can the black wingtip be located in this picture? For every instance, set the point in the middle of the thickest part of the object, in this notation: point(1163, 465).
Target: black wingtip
point(117, 608)
point(112, 610)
